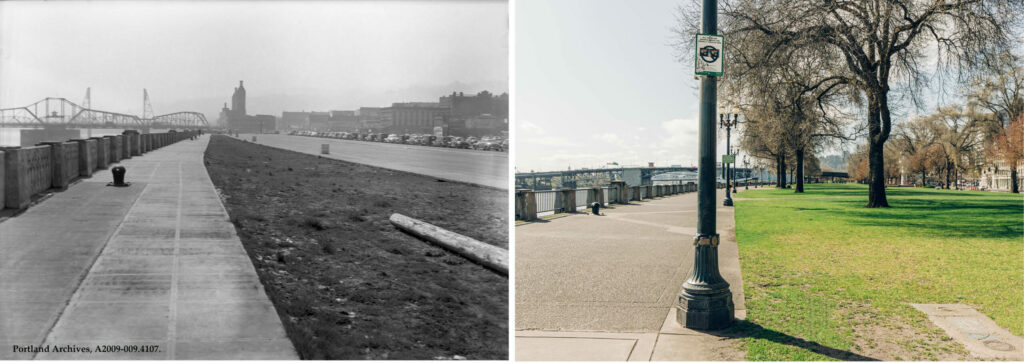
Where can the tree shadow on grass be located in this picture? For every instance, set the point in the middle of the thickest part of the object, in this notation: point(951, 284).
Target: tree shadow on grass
point(748, 329)
point(961, 218)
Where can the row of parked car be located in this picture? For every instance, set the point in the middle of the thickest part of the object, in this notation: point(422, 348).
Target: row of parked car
point(490, 143)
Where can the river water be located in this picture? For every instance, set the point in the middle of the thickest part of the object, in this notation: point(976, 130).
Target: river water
point(12, 136)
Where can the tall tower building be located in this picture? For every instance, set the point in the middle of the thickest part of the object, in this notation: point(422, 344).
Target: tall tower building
point(238, 100)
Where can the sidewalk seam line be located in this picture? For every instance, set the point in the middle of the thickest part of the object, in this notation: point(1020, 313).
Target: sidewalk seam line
point(172, 315)
point(92, 265)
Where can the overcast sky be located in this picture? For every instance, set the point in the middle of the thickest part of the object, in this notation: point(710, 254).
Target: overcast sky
point(598, 82)
point(292, 55)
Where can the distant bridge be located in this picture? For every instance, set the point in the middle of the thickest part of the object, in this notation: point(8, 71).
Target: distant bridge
point(53, 112)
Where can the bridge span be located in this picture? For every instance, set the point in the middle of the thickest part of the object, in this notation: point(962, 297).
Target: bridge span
point(60, 113)
point(633, 176)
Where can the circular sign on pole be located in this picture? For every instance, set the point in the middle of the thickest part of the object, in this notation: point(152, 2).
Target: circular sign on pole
point(709, 58)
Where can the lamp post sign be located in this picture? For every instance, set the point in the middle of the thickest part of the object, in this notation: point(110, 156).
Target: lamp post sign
point(709, 57)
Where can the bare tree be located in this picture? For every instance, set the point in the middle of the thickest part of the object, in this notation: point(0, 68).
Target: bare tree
point(913, 138)
point(1000, 90)
point(871, 47)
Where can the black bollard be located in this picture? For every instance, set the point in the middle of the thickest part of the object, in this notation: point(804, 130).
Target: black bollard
point(596, 208)
point(118, 172)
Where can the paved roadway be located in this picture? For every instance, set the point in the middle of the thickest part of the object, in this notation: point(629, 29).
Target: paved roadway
point(603, 287)
point(157, 263)
point(488, 168)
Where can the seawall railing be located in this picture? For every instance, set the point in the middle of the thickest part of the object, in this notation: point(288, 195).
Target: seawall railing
point(28, 171)
point(530, 203)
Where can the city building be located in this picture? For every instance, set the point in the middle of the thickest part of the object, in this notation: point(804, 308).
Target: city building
point(344, 121)
point(463, 106)
point(418, 117)
point(476, 115)
point(374, 118)
point(456, 114)
point(238, 100)
point(266, 123)
point(236, 118)
point(996, 177)
point(319, 121)
point(293, 121)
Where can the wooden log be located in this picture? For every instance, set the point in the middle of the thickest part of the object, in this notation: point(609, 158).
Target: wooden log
point(495, 258)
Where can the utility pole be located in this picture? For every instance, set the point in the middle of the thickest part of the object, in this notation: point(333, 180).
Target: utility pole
point(705, 301)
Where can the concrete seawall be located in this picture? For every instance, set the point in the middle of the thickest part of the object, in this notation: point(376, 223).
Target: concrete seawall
point(27, 171)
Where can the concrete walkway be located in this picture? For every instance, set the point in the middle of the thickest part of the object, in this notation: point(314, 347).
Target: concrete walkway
point(154, 264)
point(603, 287)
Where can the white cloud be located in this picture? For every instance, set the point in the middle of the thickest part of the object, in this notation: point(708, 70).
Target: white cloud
point(529, 127)
point(610, 138)
point(545, 141)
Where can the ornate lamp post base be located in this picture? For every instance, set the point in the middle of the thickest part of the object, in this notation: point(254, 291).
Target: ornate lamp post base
point(705, 302)
point(705, 312)
point(727, 202)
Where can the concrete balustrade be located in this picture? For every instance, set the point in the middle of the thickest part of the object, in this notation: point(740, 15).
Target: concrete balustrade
point(565, 201)
point(621, 193)
point(595, 195)
point(102, 152)
point(131, 139)
point(618, 192)
point(3, 180)
point(86, 156)
point(125, 144)
point(63, 168)
point(144, 143)
point(526, 205)
point(115, 149)
point(27, 171)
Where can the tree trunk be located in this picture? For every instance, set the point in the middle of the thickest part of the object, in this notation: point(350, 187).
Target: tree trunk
point(876, 176)
point(924, 183)
point(948, 169)
point(781, 172)
point(799, 171)
point(876, 160)
point(1014, 188)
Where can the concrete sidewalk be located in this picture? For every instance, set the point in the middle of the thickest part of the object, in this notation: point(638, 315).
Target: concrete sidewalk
point(154, 264)
point(603, 287)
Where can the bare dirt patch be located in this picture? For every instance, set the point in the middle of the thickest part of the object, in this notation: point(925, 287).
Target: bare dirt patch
point(345, 282)
point(891, 340)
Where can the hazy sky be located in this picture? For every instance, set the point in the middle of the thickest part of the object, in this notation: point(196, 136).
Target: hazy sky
point(596, 84)
point(292, 55)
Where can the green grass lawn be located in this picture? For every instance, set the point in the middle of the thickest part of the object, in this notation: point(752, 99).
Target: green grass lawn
point(826, 275)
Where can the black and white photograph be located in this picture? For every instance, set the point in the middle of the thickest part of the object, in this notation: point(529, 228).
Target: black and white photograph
point(243, 180)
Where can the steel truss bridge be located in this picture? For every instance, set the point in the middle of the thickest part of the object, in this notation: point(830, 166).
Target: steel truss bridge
point(60, 113)
point(592, 177)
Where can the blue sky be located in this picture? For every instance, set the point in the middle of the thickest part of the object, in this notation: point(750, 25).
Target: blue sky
point(598, 82)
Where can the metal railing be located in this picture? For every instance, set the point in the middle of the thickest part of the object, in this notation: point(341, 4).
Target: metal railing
point(545, 201)
point(529, 204)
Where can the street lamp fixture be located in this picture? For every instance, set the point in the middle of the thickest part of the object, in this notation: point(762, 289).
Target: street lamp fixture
point(705, 301)
point(728, 123)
